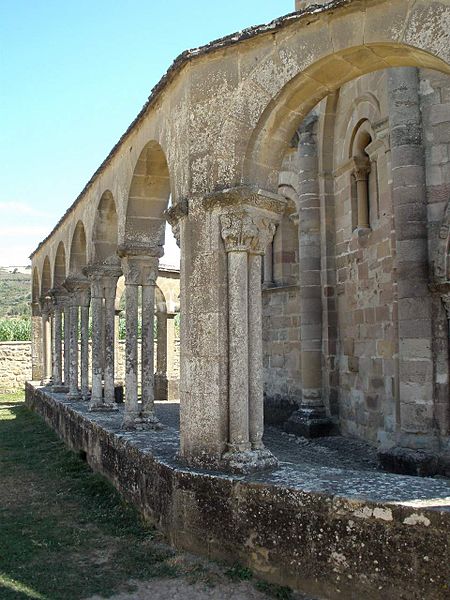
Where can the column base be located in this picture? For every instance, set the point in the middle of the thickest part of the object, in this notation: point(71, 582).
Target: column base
point(249, 461)
point(103, 407)
point(60, 389)
point(74, 396)
point(309, 423)
point(142, 423)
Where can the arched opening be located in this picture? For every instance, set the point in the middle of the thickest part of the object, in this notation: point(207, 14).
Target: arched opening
point(78, 249)
point(46, 280)
point(376, 186)
point(147, 200)
point(59, 271)
point(105, 229)
point(296, 99)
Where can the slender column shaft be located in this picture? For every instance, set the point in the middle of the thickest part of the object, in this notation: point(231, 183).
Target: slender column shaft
point(73, 353)
point(109, 352)
point(46, 347)
point(97, 310)
point(85, 351)
point(238, 351)
point(161, 343)
point(103, 349)
point(268, 265)
point(66, 345)
point(255, 350)
point(363, 201)
point(57, 360)
point(131, 353)
point(36, 343)
point(147, 357)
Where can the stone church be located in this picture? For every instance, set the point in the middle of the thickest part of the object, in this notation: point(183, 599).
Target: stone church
point(304, 167)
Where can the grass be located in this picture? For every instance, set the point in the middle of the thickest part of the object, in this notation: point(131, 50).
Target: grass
point(66, 534)
point(64, 531)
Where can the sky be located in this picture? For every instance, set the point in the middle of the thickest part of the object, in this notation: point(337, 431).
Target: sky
point(73, 75)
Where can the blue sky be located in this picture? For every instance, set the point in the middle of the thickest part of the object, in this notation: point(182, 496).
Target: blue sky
point(73, 75)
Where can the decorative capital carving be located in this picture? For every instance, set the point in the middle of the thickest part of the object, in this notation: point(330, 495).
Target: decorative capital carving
point(244, 232)
point(361, 168)
point(140, 270)
point(174, 214)
point(78, 287)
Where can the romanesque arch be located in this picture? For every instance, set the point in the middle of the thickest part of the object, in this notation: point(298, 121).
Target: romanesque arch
point(148, 198)
point(46, 279)
point(104, 238)
point(77, 259)
point(59, 270)
point(290, 105)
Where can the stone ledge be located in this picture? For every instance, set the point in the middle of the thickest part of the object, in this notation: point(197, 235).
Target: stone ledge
point(325, 544)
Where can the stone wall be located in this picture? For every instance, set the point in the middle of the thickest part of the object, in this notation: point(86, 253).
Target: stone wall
point(15, 365)
point(281, 345)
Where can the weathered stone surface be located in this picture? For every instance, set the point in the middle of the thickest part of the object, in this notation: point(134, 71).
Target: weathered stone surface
point(327, 532)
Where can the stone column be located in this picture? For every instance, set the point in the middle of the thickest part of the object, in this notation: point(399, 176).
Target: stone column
point(97, 341)
point(74, 392)
point(246, 232)
point(140, 269)
point(110, 285)
point(268, 266)
point(77, 286)
point(161, 383)
point(361, 174)
point(85, 298)
point(66, 344)
point(103, 280)
point(37, 367)
point(46, 340)
point(59, 299)
point(310, 420)
point(415, 408)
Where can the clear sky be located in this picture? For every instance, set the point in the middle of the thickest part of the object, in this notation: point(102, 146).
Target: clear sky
point(73, 75)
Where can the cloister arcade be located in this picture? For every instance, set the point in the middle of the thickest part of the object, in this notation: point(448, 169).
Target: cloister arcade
point(208, 154)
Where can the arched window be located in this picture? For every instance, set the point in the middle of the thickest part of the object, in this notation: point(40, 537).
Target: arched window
point(364, 179)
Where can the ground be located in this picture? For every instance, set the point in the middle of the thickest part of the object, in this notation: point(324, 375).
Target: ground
point(65, 533)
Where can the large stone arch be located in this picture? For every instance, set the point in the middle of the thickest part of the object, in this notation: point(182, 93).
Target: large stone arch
point(105, 230)
point(148, 198)
point(46, 278)
point(59, 269)
point(78, 252)
point(340, 46)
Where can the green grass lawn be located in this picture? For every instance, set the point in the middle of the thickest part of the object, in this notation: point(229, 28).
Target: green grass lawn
point(66, 534)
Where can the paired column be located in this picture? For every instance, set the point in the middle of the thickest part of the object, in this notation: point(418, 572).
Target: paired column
point(246, 232)
point(310, 420)
point(59, 298)
point(103, 279)
point(46, 312)
point(161, 383)
point(140, 272)
point(78, 306)
point(36, 342)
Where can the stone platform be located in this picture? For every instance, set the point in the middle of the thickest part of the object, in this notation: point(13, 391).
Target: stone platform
point(326, 522)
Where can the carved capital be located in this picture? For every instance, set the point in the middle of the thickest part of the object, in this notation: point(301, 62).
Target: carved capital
point(361, 168)
point(244, 232)
point(140, 270)
point(174, 214)
point(78, 288)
